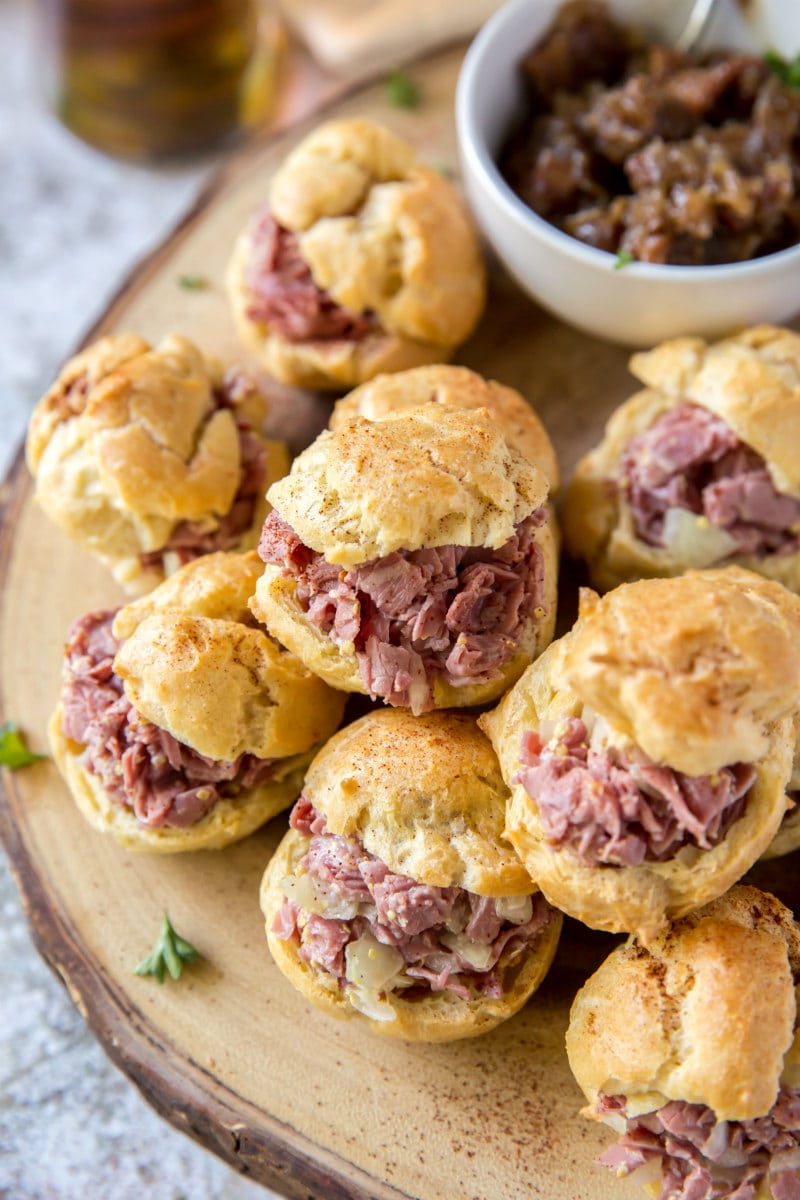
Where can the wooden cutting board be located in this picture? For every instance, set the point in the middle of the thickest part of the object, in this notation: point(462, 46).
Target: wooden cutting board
point(316, 1109)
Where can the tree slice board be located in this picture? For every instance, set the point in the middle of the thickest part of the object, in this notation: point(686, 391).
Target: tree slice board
point(314, 1108)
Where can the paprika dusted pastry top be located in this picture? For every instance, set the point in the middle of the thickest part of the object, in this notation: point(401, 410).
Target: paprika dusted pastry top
point(181, 725)
point(701, 468)
point(457, 387)
point(362, 260)
point(150, 456)
point(689, 1050)
point(411, 559)
point(395, 898)
point(649, 749)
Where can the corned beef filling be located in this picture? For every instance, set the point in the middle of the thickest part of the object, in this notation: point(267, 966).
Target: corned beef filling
point(191, 539)
point(690, 459)
point(141, 766)
point(454, 612)
point(619, 808)
point(352, 917)
point(705, 1159)
point(283, 293)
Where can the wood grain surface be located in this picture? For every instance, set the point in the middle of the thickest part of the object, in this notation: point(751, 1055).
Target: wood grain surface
point(231, 1054)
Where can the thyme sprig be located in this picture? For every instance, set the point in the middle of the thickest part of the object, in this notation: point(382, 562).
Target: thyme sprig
point(193, 283)
point(170, 953)
point(786, 69)
point(401, 90)
point(13, 751)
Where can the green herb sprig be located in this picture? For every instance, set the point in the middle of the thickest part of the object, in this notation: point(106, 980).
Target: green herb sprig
point(193, 283)
point(401, 90)
point(13, 751)
point(786, 69)
point(170, 953)
point(624, 258)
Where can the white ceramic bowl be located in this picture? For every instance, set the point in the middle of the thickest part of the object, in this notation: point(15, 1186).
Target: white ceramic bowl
point(642, 303)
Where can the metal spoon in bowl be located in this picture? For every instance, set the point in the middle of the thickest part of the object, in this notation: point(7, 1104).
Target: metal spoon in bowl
point(695, 23)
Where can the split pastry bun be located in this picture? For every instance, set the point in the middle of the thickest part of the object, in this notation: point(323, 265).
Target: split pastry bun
point(181, 725)
point(701, 468)
point(150, 456)
point(362, 261)
point(648, 750)
point(411, 559)
point(689, 1049)
point(390, 395)
point(395, 898)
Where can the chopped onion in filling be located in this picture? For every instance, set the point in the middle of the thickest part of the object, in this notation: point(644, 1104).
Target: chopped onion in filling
point(715, 1146)
point(458, 919)
point(371, 964)
point(313, 895)
point(419, 691)
point(516, 909)
point(171, 561)
point(372, 968)
point(601, 734)
point(369, 1004)
point(477, 954)
point(693, 540)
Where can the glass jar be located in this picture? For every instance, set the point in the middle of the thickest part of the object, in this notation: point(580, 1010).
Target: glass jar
point(156, 78)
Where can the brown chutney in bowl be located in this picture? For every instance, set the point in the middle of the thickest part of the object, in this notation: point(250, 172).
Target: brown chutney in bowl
point(652, 154)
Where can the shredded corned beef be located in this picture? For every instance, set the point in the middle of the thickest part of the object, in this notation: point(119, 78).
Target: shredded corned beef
point(283, 293)
point(399, 912)
point(689, 458)
point(620, 808)
point(454, 612)
point(141, 766)
point(191, 539)
point(703, 1159)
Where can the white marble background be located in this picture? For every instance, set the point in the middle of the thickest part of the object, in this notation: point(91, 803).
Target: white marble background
point(72, 223)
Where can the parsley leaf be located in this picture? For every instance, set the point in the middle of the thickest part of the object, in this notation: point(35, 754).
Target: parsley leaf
point(170, 952)
point(193, 283)
point(787, 70)
point(401, 91)
point(623, 259)
point(13, 751)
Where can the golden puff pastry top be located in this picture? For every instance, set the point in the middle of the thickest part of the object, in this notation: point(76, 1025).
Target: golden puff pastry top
point(458, 387)
point(691, 669)
point(215, 585)
point(129, 441)
point(751, 381)
point(193, 663)
point(705, 1014)
point(425, 795)
point(430, 477)
point(381, 232)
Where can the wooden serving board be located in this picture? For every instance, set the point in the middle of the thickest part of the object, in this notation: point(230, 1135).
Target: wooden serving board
point(231, 1054)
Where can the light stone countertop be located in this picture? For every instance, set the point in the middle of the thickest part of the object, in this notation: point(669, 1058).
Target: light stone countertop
point(72, 223)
